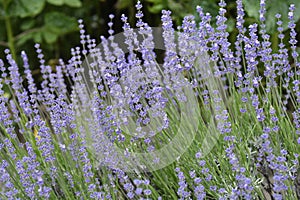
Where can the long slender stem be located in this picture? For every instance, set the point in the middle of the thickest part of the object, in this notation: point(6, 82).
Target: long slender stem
point(9, 31)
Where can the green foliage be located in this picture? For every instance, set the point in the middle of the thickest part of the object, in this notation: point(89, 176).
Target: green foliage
point(25, 8)
point(39, 21)
point(122, 4)
point(157, 5)
point(181, 8)
point(72, 3)
point(273, 7)
point(185, 7)
point(49, 22)
point(57, 24)
point(31, 8)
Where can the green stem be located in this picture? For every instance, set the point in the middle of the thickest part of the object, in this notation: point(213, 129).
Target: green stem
point(9, 31)
point(275, 41)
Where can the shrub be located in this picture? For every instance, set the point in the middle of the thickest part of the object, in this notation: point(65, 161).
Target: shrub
point(214, 120)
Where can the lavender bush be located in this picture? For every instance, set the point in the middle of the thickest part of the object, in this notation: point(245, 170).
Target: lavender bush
point(215, 120)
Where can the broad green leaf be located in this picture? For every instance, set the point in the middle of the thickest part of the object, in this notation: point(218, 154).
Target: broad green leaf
point(154, 1)
point(37, 37)
point(73, 3)
point(60, 23)
point(56, 2)
point(24, 39)
point(273, 7)
point(55, 24)
point(25, 8)
point(209, 7)
point(27, 24)
point(230, 25)
point(49, 36)
point(174, 6)
point(121, 4)
point(156, 8)
point(252, 8)
point(281, 7)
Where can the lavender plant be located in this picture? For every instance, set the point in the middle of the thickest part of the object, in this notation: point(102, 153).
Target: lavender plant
point(215, 120)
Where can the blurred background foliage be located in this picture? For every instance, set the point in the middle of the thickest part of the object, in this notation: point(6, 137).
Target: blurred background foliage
point(53, 23)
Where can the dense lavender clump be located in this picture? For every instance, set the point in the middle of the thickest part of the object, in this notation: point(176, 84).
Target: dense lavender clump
point(111, 135)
